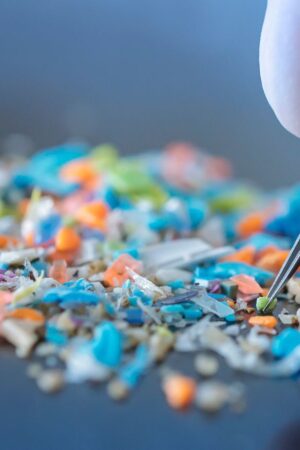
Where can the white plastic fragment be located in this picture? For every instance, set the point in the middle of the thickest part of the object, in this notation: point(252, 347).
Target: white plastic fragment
point(19, 335)
point(82, 366)
point(25, 292)
point(255, 341)
point(117, 390)
point(50, 381)
point(149, 311)
point(144, 284)
point(165, 276)
point(20, 256)
point(206, 365)
point(293, 287)
point(288, 319)
point(190, 339)
point(211, 396)
point(212, 305)
point(232, 330)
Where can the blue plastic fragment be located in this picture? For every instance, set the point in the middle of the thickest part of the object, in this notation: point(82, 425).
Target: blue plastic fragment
point(42, 170)
point(79, 284)
point(262, 240)
point(129, 251)
point(131, 373)
point(218, 296)
point(176, 284)
point(70, 297)
point(172, 309)
point(142, 296)
point(192, 312)
point(231, 318)
point(107, 345)
point(162, 222)
point(228, 269)
point(134, 316)
point(197, 211)
point(285, 342)
point(47, 229)
point(288, 224)
point(55, 336)
point(40, 266)
point(110, 197)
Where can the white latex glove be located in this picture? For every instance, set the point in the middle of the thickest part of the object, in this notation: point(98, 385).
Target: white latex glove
point(280, 61)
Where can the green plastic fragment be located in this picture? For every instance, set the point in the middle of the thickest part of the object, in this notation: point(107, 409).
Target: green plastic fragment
point(229, 288)
point(232, 201)
point(6, 210)
point(130, 179)
point(261, 304)
point(104, 157)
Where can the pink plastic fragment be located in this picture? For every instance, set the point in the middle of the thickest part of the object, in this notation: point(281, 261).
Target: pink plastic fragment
point(246, 284)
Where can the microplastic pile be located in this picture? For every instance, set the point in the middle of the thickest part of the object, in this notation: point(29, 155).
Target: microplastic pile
point(108, 264)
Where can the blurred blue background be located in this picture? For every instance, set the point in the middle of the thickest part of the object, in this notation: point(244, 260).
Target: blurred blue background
point(141, 73)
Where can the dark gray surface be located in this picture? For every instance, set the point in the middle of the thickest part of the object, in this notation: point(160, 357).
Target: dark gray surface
point(141, 73)
point(84, 418)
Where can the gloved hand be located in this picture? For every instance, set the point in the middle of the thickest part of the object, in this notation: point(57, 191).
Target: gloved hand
point(280, 61)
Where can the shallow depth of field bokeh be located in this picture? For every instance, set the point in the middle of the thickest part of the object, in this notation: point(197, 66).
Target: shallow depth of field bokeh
point(140, 74)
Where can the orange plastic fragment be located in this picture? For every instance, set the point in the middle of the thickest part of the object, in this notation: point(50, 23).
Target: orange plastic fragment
point(180, 391)
point(252, 223)
point(27, 314)
point(68, 256)
point(245, 254)
point(79, 171)
point(67, 239)
point(58, 271)
point(117, 274)
point(266, 251)
point(246, 284)
point(263, 321)
point(93, 214)
point(273, 260)
point(7, 241)
point(29, 239)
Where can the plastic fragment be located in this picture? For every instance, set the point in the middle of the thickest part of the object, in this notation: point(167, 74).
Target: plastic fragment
point(21, 337)
point(50, 381)
point(211, 396)
point(246, 284)
point(20, 256)
point(179, 390)
point(107, 345)
point(216, 307)
point(67, 239)
point(263, 321)
point(285, 342)
point(58, 271)
point(206, 365)
point(261, 303)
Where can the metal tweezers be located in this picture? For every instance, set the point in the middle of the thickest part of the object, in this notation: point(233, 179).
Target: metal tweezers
point(286, 272)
